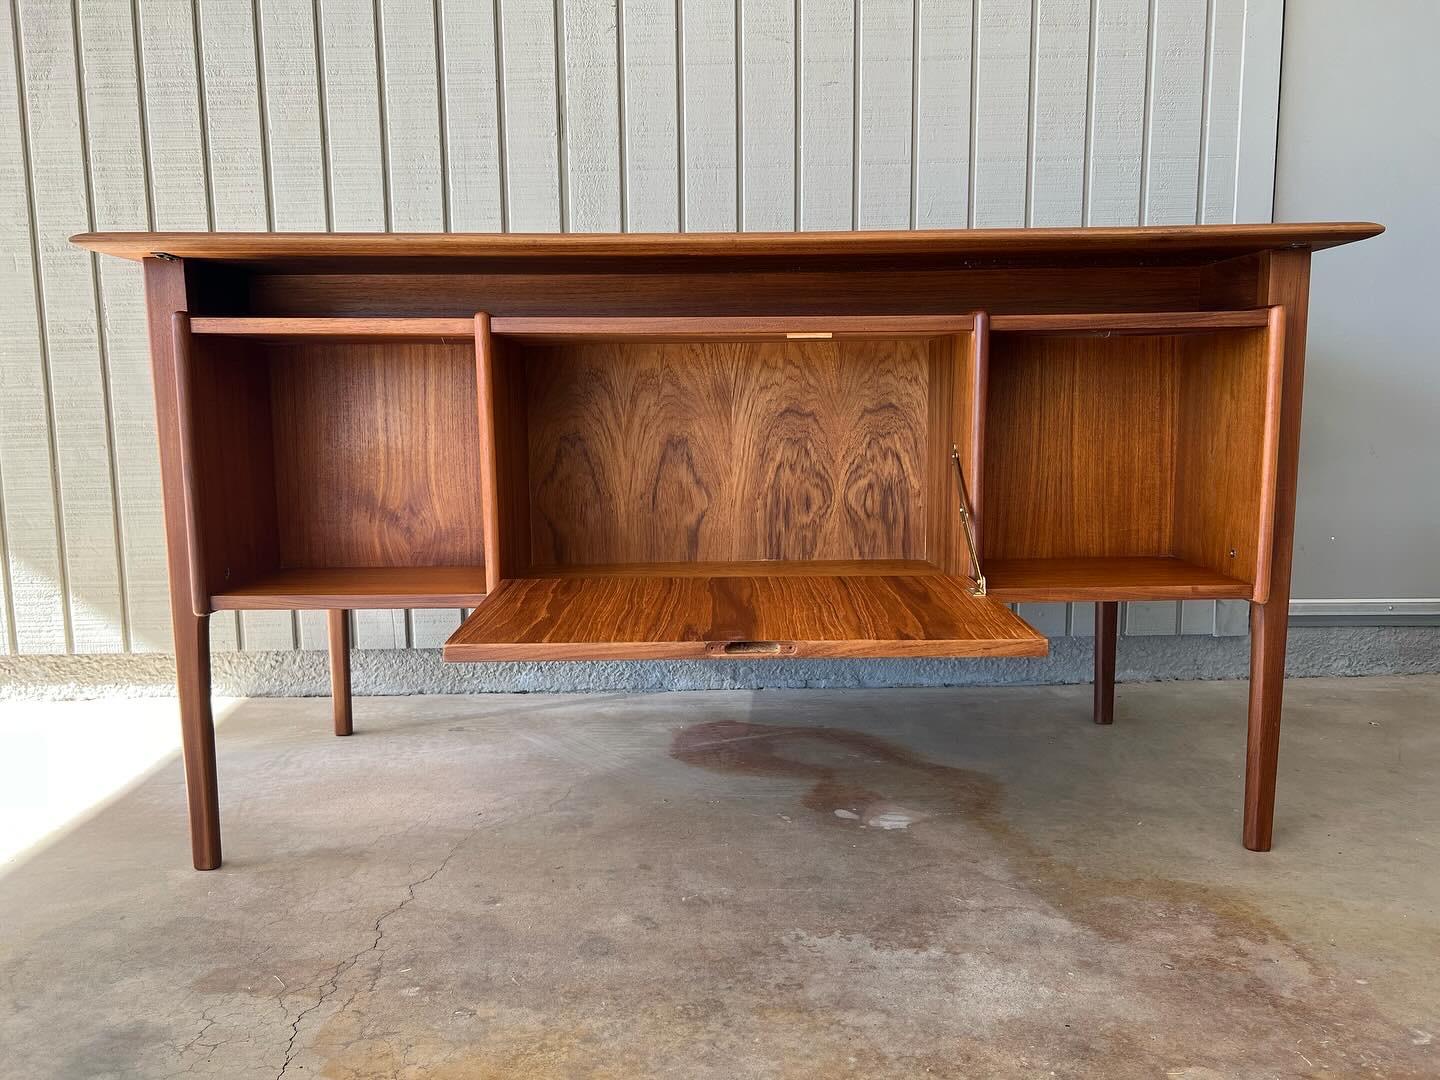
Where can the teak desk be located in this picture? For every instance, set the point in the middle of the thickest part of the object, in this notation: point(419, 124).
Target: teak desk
point(740, 445)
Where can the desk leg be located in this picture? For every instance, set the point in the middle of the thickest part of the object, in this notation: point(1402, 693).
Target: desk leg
point(197, 734)
point(1284, 281)
point(340, 670)
point(1107, 622)
point(1269, 626)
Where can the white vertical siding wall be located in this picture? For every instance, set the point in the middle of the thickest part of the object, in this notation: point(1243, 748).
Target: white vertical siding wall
point(538, 115)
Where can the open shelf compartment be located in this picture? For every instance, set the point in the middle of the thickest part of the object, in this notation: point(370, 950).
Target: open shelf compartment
point(325, 588)
point(1132, 456)
point(729, 488)
point(330, 462)
point(1117, 577)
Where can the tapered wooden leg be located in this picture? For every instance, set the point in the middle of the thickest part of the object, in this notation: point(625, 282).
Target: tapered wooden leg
point(340, 670)
point(197, 733)
point(1107, 623)
point(1285, 278)
point(1269, 624)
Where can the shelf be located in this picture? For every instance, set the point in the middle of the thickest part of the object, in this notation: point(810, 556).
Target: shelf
point(841, 327)
point(719, 328)
point(1153, 322)
point(1121, 578)
point(337, 330)
point(358, 587)
point(616, 617)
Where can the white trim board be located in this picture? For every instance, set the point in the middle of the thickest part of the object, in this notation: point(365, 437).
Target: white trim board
point(1368, 612)
point(1259, 121)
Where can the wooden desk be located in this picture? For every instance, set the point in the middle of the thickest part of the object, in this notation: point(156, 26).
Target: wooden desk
point(738, 445)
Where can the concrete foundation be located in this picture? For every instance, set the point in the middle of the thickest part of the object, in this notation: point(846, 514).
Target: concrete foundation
point(1314, 651)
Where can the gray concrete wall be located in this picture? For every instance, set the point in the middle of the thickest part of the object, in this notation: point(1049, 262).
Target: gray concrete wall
point(1360, 138)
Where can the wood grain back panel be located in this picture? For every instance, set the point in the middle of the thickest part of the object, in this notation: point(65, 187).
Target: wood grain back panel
point(728, 451)
point(1079, 446)
point(376, 454)
point(630, 617)
point(690, 289)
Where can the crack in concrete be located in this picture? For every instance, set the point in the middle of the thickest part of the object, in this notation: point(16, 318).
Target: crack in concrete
point(204, 1051)
point(209, 1022)
point(210, 1048)
point(332, 983)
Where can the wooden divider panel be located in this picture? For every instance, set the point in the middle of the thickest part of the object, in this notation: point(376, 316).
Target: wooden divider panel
point(956, 378)
point(233, 470)
point(1228, 427)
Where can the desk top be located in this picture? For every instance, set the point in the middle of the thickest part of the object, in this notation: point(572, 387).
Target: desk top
point(1186, 243)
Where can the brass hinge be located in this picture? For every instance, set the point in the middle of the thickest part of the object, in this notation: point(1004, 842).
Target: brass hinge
point(967, 526)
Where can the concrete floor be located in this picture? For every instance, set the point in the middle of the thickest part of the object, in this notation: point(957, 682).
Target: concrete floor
point(730, 884)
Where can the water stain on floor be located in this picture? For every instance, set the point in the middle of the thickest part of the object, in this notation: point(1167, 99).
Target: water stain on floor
point(1218, 958)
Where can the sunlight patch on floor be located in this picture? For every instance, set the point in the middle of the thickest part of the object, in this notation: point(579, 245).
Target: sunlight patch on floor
point(62, 761)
